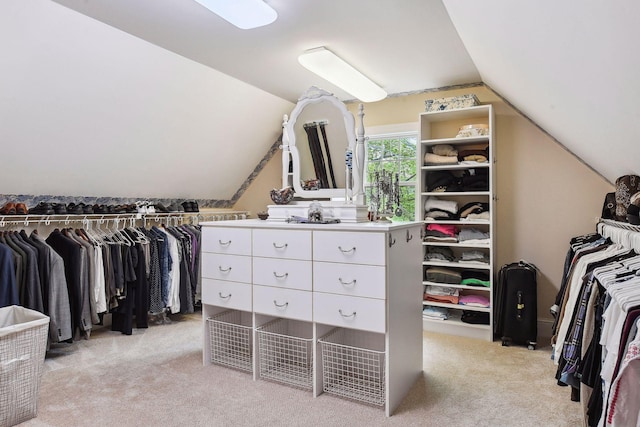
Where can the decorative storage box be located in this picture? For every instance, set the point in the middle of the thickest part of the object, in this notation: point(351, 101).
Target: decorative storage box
point(286, 352)
point(353, 365)
point(23, 344)
point(451, 103)
point(231, 338)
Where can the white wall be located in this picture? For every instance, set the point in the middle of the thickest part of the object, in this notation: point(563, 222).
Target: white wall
point(88, 110)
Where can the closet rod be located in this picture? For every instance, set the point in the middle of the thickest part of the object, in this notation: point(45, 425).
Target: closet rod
point(623, 225)
point(193, 217)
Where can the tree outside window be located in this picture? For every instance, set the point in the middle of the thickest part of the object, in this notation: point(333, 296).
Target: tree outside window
point(395, 154)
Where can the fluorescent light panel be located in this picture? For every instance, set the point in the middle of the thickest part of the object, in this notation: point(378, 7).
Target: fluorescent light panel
point(330, 67)
point(244, 14)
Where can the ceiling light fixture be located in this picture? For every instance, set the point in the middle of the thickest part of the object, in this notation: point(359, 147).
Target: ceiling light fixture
point(244, 14)
point(330, 67)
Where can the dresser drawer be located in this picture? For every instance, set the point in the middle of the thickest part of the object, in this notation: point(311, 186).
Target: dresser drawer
point(349, 312)
point(233, 241)
point(349, 247)
point(282, 244)
point(283, 273)
point(349, 279)
point(235, 268)
point(226, 294)
point(280, 302)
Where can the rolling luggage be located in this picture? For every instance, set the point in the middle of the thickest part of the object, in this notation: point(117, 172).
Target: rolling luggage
point(516, 305)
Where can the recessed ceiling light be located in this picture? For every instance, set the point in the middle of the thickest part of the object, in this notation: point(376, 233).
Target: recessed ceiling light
point(244, 14)
point(330, 67)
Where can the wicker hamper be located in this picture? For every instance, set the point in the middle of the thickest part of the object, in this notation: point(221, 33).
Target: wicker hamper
point(23, 343)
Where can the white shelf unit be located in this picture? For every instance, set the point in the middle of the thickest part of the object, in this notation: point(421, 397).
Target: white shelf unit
point(360, 277)
point(441, 128)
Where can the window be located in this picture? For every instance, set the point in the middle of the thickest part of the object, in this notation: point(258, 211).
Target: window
point(392, 156)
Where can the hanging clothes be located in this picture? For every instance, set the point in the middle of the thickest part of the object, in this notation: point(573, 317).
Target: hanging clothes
point(597, 324)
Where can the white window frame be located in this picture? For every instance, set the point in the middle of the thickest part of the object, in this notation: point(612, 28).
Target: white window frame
point(391, 131)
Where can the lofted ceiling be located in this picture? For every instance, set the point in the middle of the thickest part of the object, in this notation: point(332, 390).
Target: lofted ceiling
point(571, 69)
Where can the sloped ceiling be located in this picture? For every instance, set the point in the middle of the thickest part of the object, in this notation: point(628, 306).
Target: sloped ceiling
point(403, 45)
point(571, 68)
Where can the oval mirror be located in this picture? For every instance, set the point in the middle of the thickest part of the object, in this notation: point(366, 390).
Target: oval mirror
point(316, 137)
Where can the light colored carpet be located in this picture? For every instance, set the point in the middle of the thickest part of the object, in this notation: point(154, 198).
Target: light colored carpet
point(156, 377)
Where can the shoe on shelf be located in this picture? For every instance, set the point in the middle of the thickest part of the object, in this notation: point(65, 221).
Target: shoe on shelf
point(190, 206)
point(141, 206)
point(59, 208)
point(73, 209)
point(8, 209)
point(42, 208)
point(99, 209)
point(21, 209)
point(161, 208)
point(86, 208)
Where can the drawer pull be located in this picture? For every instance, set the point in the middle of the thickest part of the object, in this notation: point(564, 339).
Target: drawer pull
point(280, 305)
point(346, 315)
point(280, 276)
point(227, 243)
point(409, 236)
point(275, 245)
point(346, 251)
point(342, 282)
point(224, 270)
point(224, 296)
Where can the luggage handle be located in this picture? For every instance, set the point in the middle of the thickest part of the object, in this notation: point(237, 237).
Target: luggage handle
point(519, 306)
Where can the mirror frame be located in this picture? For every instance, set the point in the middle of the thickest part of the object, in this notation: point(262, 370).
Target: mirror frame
point(355, 143)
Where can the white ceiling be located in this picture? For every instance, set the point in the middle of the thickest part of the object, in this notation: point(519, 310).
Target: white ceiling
point(570, 68)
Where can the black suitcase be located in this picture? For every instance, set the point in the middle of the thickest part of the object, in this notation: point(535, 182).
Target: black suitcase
point(516, 305)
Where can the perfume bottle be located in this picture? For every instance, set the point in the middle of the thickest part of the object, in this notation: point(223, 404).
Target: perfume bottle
point(315, 212)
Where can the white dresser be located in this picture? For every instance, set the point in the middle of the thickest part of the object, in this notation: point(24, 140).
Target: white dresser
point(363, 278)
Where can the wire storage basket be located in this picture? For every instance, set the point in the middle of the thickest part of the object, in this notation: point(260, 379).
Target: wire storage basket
point(23, 346)
point(353, 365)
point(286, 352)
point(231, 340)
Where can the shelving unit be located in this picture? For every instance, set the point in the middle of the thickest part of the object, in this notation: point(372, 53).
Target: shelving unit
point(440, 128)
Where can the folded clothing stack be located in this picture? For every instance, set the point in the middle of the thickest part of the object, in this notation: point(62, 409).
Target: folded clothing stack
point(439, 253)
point(441, 233)
point(475, 278)
point(473, 235)
point(442, 154)
point(474, 256)
point(442, 275)
point(437, 208)
point(441, 294)
point(473, 156)
point(435, 313)
point(474, 210)
point(474, 300)
point(474, 179)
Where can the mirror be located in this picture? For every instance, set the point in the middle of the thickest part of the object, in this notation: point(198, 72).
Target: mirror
point(315, 166)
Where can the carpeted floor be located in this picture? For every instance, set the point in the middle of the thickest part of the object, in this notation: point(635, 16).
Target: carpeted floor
point(156, 377)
